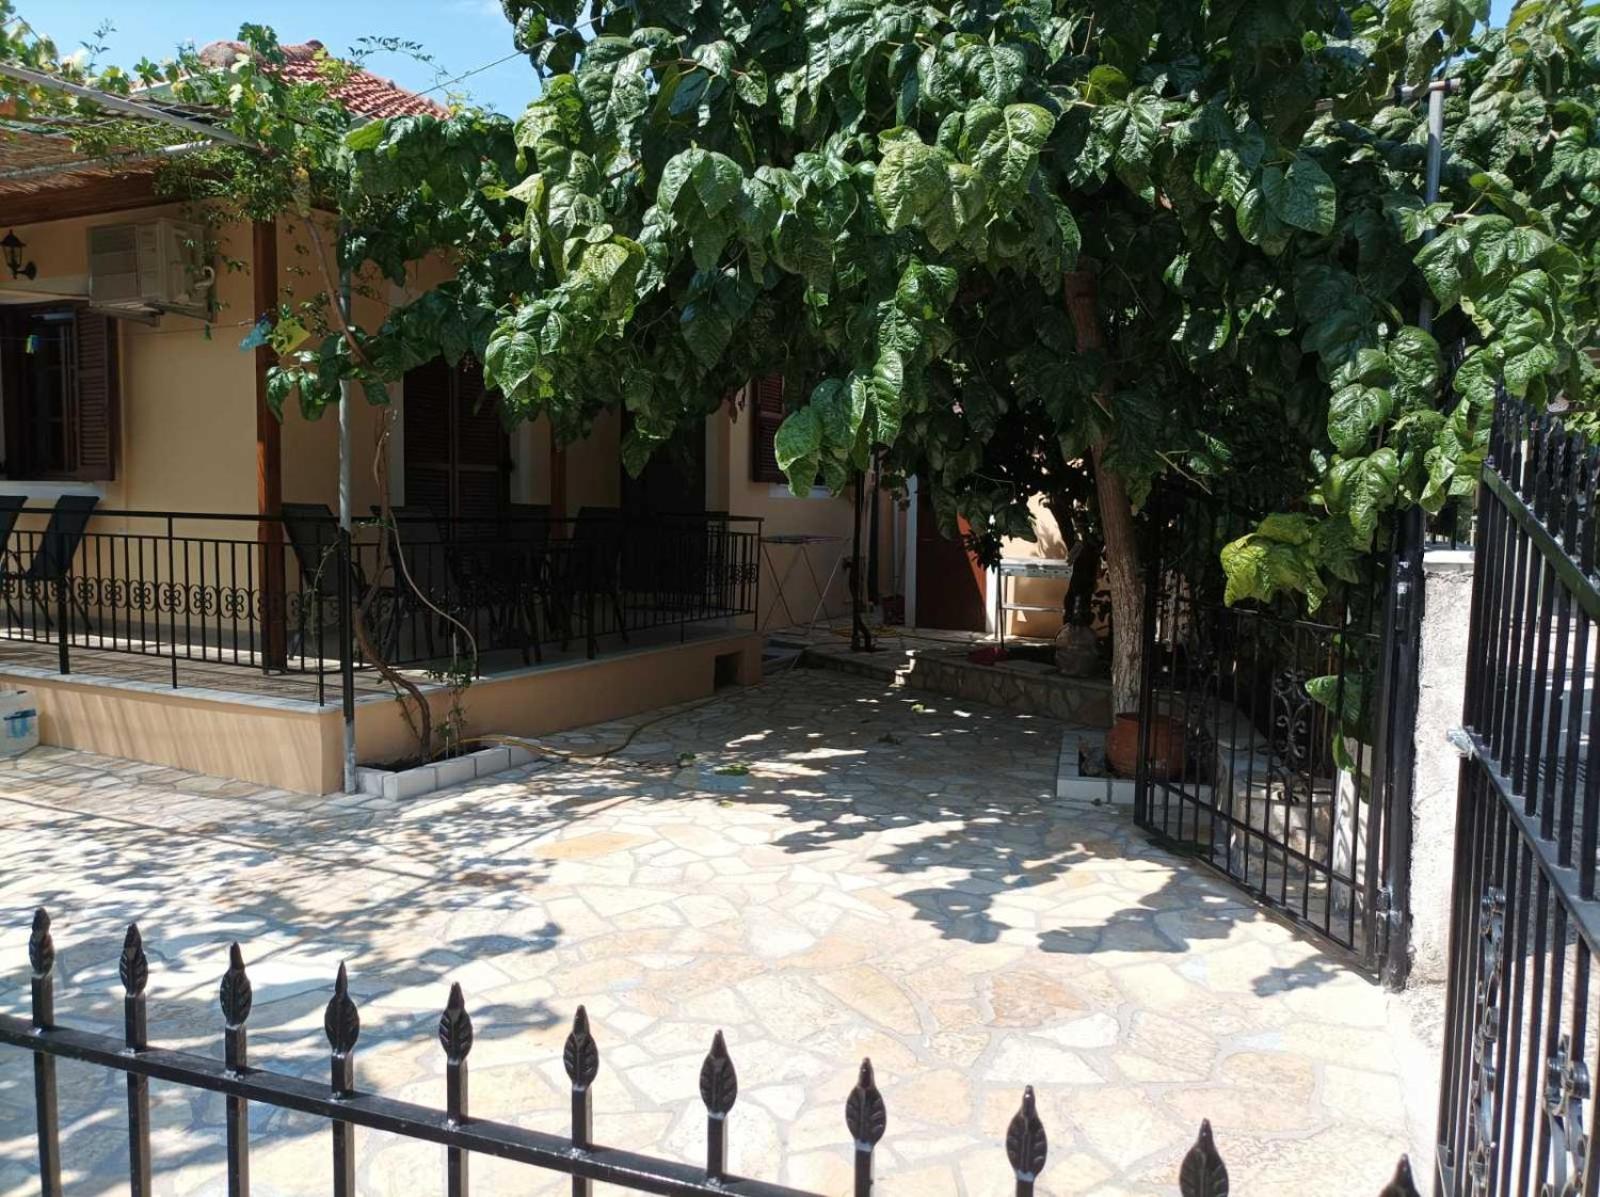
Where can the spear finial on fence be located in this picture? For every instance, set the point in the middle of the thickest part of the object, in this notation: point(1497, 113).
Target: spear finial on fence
point(1203, 1173)
point(455, 1027)
point(41, 948)
point(134, 970)
point(133, 966)
point(236, 994)
point(719, 1089)
point(867, 1118)
point(581, 1058)
point(1402, 1184)
point(455, 1036)
point(236, 997)
point(42, 956)
point(341, 1021)
point(1026, 1144)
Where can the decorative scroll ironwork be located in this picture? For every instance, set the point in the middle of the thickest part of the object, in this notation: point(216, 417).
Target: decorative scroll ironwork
point(252, 596)
point(345, 1107)
point(1566, 1089)
point(1485, 1090)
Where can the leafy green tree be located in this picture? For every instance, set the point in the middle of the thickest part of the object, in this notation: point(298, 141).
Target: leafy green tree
point(1163, 235)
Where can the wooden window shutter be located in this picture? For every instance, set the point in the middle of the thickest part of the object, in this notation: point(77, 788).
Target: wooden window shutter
point(767, 409)
point(97, 402)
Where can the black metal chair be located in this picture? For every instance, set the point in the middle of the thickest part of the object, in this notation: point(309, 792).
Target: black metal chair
point(598, 543)
point(526, 532)
point(53, 556)
point(10, 507)
point(313, 533)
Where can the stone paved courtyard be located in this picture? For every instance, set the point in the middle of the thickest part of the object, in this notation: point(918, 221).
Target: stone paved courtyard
point(891, 878)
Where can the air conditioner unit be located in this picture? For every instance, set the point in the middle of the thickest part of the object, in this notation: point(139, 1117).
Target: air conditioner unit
point(148, 268)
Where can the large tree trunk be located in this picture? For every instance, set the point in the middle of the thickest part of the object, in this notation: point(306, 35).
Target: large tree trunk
point(1116, 518)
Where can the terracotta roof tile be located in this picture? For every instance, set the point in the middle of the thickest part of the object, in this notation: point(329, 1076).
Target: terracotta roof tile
point(363, 93)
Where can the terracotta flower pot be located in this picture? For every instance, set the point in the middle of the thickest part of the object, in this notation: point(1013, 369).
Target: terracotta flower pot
point(1165, 747)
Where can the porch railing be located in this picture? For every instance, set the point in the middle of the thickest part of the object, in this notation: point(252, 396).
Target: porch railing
point(199, 596)
point(345, 1107)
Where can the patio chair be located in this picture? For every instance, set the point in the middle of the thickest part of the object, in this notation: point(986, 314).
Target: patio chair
point(313, 533)
point(57, 548)
point(10, 507)
point(595, 573)
point(526, 530)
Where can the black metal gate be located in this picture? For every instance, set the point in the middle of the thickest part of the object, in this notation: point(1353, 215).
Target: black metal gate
point(1262, 738)
point(1515, 1095)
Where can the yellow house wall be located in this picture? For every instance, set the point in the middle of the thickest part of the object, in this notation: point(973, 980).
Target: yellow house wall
point(187, 435)
point(730, 488)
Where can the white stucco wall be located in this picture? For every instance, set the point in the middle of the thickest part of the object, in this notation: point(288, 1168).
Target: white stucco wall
point(1442, 678)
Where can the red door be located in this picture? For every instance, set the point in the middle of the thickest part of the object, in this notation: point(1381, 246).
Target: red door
point(951, 585)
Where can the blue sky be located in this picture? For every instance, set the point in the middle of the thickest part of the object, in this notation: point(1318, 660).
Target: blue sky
point(462, 35)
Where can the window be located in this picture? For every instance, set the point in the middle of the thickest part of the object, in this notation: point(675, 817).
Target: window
point(767, 412)
point(58, 393)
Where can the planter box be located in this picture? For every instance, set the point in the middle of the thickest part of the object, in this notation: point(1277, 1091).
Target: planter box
point(19, 722)
point(440, 775)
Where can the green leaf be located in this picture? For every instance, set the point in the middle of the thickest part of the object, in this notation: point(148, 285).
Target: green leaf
point(1440, 263)
point(910, 181)
point(676, 177)
point(799, 438)
point(1009, 149)
point(1302, 197)
point(1418, 365)
point(1369, 485)
point(998, 70)
point(706, 329)
point(365, 137)
point(1354, 413)
point(717, 180)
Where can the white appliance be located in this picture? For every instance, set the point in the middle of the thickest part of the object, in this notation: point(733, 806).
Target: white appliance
point(148, 268)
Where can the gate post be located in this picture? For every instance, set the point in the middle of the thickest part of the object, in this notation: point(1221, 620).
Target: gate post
point(1441, 679)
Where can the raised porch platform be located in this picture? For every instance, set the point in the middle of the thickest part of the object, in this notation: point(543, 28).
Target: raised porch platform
point(233, 720)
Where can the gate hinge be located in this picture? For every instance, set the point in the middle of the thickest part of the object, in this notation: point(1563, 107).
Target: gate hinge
point(1461, 742)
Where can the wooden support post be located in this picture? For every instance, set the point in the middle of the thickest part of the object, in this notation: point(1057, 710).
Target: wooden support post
point(269, 457)
point(558, 479)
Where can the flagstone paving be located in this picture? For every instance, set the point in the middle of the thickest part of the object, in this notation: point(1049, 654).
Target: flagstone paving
point(891, 878)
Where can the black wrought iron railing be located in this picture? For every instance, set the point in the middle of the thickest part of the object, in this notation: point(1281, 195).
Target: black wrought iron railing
point(346, 1108)
point(196, 595)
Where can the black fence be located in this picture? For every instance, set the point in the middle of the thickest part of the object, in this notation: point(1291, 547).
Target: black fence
point(1260, 751)
point(1201, 1173)
point(198, 595)
point(1516, 1094)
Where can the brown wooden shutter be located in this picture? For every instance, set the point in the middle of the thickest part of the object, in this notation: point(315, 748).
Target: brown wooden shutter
point(767, 409)
point(97, 403)
point(483, 448)
point(427, 437)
